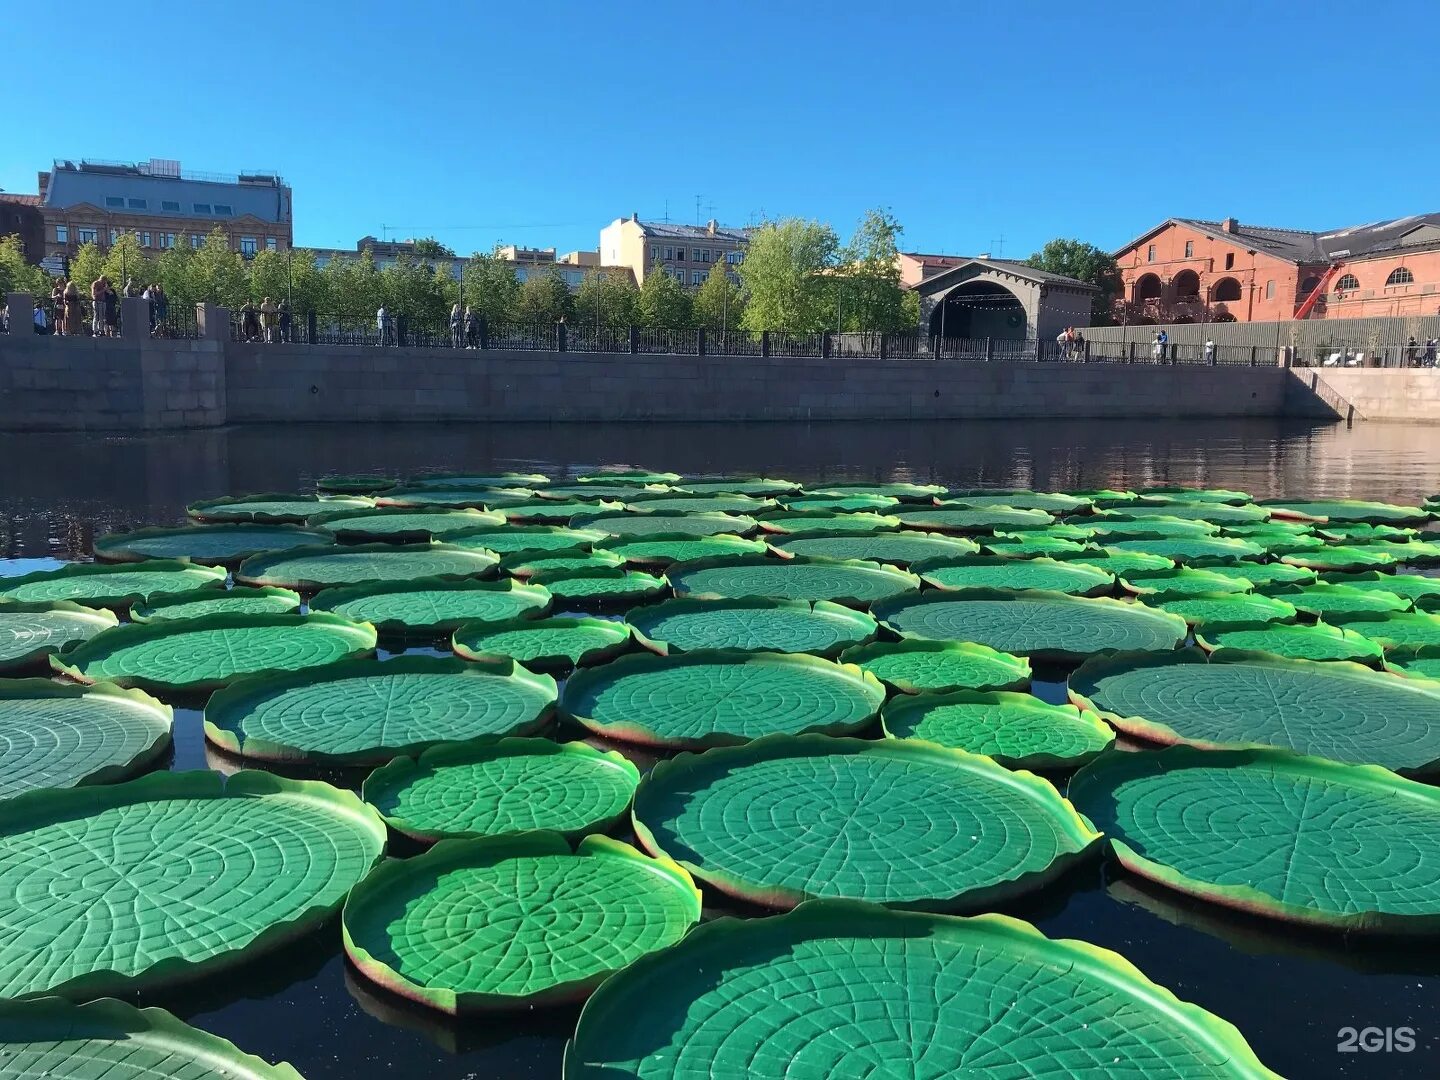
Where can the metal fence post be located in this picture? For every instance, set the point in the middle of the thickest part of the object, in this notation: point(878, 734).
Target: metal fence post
point(402, 326)
point(1254, 355)
point(826, 345)
point(1130, 353)
point(989, 349)
point(700, 341)
point(764, 342)
point(484, 333)
point(312, 328)
point(884, 345)
point(634, 339)
point(560, 341)
point(1085, 353)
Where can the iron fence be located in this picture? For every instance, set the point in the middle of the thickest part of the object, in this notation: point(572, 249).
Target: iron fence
point(791, 343)
point(610, 339)
point(734, 342)
point(670, 342)
point(534, 338)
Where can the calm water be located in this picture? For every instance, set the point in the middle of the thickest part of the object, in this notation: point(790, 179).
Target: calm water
point(1289, 993)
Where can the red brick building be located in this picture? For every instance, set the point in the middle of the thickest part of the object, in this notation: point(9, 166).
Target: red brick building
point(1188, 270)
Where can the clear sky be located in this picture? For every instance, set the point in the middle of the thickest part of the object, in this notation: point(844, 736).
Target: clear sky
point(538, 123)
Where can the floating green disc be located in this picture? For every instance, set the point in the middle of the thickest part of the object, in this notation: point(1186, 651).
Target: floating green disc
point(758, 486)
point(1295, 530)
point(897, 821)
point(1407, 552)
point(1017, 730)
point(504, 788)
point(353, 484)
point(914, 666)
point(1194, 551)
point(1413, 587)
point(961, 517)
point(1317, 642)
point(215, 545)
point(546, 510)
point(751, 624)
point(823, 523)
point(372, 710)
point(1167, 494)
point(1113, 527)
point(1216, 610)
point(121, 888)
point(1326, 601)
point(1104, 498)
point(31, 633)
point(854, 583)
point(515, 538)
point(1027, 545)
point(1214, 513)
point(627, 476)
point(1338, 557)
point(395, 525)
point(1119, 563)
point(602, 586)
point(480, 480)
point(905, 492)
point(645, 503)
point(1050, 501)
point(55, 735)
point(1045, 625)
point(1395, 629)
point(594, 493)
point(995, 572)
point(1347, 510)
point(524, 564)
point(1359, 532)
point(897, 548)
point(321, 567)
point(516, 921)
point(677, 547)
point(241, 600)
point(1343, 847)
point(987, 996)
point(1280, 543)
point(838, 503)
point(650, 525)
point(1267, 575)
point(199, 655)
point(1422, 663)
point(720, 698)
point(543, 644)
point(53, 1037)
point(1158, 585)
point(433, 606)
point(1341, 711)
point(440, 498)
point(94, 585)
point(272, 509)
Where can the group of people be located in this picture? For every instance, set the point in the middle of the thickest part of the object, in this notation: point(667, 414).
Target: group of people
point(1071, 342)
point(464, 327)
point(66, 317)
point(270, 322)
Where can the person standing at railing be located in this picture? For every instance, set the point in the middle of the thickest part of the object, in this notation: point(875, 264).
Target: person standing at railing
point(74, 311)
point(149, 297)
point(38, 318)
point(457, 327)
point(249, 322)
point(111, 300)
point(1209, 351)
point(97, 306)
point(283, 317)
point(472, 328)
point(268, 319)
point(1430, 346)
point(57, 305)
point(159, 308)
point(386, 325)
point(1157, 349)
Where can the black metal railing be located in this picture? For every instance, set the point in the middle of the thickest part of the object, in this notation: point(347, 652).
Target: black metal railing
point(611, 339)
point(670, 342)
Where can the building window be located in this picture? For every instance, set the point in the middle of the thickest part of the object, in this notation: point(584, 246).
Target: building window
point(697, 277)
point(680, 254)
point(248, 245)
point(62, 234)
point(1270, 290)
point(669, 253)
point(136, 204)
point(1347, 282)
point(270, 244)
point(202, 207)
point(1229, 260)
point(223, 210)
point(705, 255)
point(145, 239)
point(115, 200)
point(734, 257)
point(1150, 253)
point(655, 253)
point(196, 240)
point(114, 235)
point(1189, 249)
point(1400, 276)
point(167, 240)
point(86, 236)
point(169, 207)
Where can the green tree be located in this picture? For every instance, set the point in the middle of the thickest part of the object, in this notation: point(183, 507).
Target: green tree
point(353, 285)
point(86, 265)
point(268, 276)
point(869, 296)
point(411, 288)
point(718, 304)
point(1077, 259)
point(491, 288)
point(17, 275)
point(663, 303)
point(175, 269)
point(608, 299)
point(427, 247)
point(127, 261)
point(784, 276)
point(306, 283)
point(219, 275)
point(544, 298)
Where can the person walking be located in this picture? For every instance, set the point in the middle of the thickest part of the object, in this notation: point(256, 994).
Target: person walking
point(97, 306)
point(112, 310)
point(74, 311)
point(249, 322)
point(472, 328)
point(1209, 351)
point(457, 327)
point(268, 313)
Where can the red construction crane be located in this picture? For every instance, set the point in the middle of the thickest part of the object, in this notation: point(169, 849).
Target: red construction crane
point(1314, 298)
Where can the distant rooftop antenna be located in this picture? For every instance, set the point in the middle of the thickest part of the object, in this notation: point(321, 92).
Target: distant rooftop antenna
point(998, 246)
point(667, 211)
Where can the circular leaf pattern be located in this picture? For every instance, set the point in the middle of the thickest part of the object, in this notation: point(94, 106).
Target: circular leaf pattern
point(1396, 630)
point(838, 502)
point(1318, 642)
point(240, 600)
point(719, 698)
point(676, 547)
point(963, 518)
point(57, 736)
point(1312, 841)
point(505, 788)
point(30, 633)
point(1017, 730)
point(1347, 510)
point(548, 510)
point(1334, 602)
point(213, 545)
point(1027, 545)
point(1338, 557)
point(515, 538)
point(1269, 576)
point(320, 567)
point(701, 524)
point(400, 524)
point(1415, 663)
point(276, 509)
point(1113, 527)
point(432, 606)
point(915, 666)
point(1412, 587)
point(898, 548)
point(1120, 563)
point(751, 624)
point(1194, 551)
point(817, 522)
point(94, 585)
point(1215, 610)
point(543, 644)
point(853, 583)
point(1214, 513)
point(373, 710)
point(524, 564)
point(604, 586)
point(1182, 581)
point(993, 572)
point(464, 498)
point(897, 822)
point(127, 886)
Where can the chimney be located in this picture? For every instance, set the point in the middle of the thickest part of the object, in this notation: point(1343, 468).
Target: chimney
point(634, 215)
point(711, 226)
point(1230, 225)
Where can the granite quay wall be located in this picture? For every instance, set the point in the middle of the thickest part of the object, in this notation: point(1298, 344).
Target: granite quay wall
point(1383, 394)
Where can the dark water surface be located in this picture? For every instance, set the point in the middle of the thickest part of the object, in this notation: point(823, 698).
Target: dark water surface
point(1289, 993)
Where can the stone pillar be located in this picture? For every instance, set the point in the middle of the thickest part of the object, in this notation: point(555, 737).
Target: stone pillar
point(134, 318)
point(22, 307)
point(213, 321)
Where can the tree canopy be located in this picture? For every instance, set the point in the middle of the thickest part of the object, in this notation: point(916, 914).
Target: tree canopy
point(1088, 263)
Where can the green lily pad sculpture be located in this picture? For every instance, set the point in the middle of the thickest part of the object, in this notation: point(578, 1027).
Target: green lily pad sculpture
point(667, 548)
point(962, 517)
point(1112, 527)
point(758, 486)
point(914, 666)
point(116, 587)
point(515, 538)
point(1337, 847)
point(555, 644)
point(353, 483)
point(751, 624)
point(195, 873)
point(1033, 543)
point(1013, 575)
point(54, 735)
point(897, 548)
point(108, 1038)
point(1016, 730)
point(720, 698)
point(505, 788)
point(1317, 642)
point(826, 522)
point(514, 922)
point(1336, 710)
point(1213, 513)
point(854, 583)
point(1336, 602)
point(433, 607)
point(1267, 576)
point(401, 525)
point(1215, 611)
point(1347, 510)
point(603, 587)
point(1159, 585)
point(322, 567)
point(212, 545)
point(897, 821)
point(526, 564)
point(651, 525)
point(1339, 557)
point(1395, 630)
point(1049, 501)
point(241, 600)
point(1195, 550)
point(1119, 563)
point(1045, 626)
point(370, 711)
point(196, 656)
point(32, 633)
point(271, 509)
point(1069, 1009)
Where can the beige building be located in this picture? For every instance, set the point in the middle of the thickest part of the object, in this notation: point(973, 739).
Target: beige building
point(685, 252)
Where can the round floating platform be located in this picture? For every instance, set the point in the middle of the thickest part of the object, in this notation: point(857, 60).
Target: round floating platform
point(322, 567)
point(854, 583)
point(915, 666)
point(272, 509)
point(525, 564)
point(667, 548)
point(213, 545)
point(1156, 586)
point(241, 600)
point(400, 524)
point(898, 548)
point(1014, 575)
point(1215, 611)
point(515, 538)
point(1317, 642)
point(543, 644)
point(116, 587)
point(962, 517)
point(31, 633)
point(650, 525)
point(1017, 730)
point(1194, 550)
point(1347, 510)
point(757, 486)
point(823, 522)
point(751, 624)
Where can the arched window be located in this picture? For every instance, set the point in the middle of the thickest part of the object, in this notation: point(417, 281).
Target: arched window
point(1400, 276)
point(1186, 285)
point(1227, 290)
point(1148, 288)
point(1347, 282)
point(1308, 285)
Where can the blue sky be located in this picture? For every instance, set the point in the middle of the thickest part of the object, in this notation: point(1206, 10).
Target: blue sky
point(537, 124)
